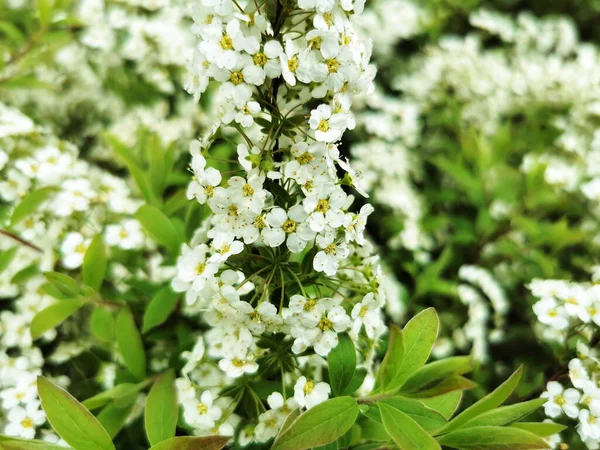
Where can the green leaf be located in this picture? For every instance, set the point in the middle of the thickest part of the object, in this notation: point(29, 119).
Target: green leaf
point(490, 401)
point(94, 263)
point(492, 438)
point(342, 364)
point(159, 227)
point(356, 382)
point(66, 285)
point(419, 335)
point(427, 418)
point(405, 432)
point(451, 384)
point(120, 391)
point(320, 425)
point(44, 9)
point(193, 443)
point(392, 361)
point(12, 443)
point(114, 416)
point(162, 410)
point(52, 316)
point(140, 177)
point(71, 420)
point(29, 204)
point(542, 429)
point(130, 343)
point(506, 414)
point(159, 309)
point(437, 371)
point(24, 274)
point(103, 324)
point(446, 404)
point(6, 258)
point(12, 32)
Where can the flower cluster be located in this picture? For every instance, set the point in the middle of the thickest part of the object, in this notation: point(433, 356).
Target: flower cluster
point(75, 202)
point(281, 267)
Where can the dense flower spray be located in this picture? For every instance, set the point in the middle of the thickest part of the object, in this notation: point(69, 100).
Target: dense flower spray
point(281, 266)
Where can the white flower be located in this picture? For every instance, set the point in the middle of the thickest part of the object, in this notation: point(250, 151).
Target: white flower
point(128, 234)
point(550, 313)
point(22, 422)
point(205, 179)
point(289, 227)
point(75, 195)
point(73, 249)
point(561, 400)
point(203, 413)
point(589, 423)
point(328, 126)
point(236, 367)
point(307, 393)
point(367, 313)
point(333, 251)
point(194, 266)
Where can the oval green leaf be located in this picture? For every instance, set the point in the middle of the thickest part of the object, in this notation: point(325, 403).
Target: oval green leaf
point(130, 343)
point(66, 285)
point(162, 411)
point(103, 324)
point(71, 420)
point(493, 438)
point(159, 309)
point(159, 227)
point(94, 263)
point(29, 204)
point(320, 425)
point(342, 364)
point(404, 431)
point(52, 316)
point(12, 443)
point(419, 335)
point(490, 401)
point(193, 443)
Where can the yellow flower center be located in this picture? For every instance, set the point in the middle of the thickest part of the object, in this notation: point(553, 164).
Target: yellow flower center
point(289, 226)
point(202, 408)
point(309, 387)
point(247, 190)
point(305, 158)
point(237, 78)
point(363, 312)
point(81, 248)
point(260, 59)
point(226, 43)
point(310, 304)
point(200, 268)
point(328, 18)
point(238, 362)
point(323, 206)
point(333, 65)
point(325, 324)
point(293, 64)
point(330, 249)
point(259, 222)
point(233, 211)
point(323, 125)
point(27, 422)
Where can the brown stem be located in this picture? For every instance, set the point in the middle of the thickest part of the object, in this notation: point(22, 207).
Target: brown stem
point(21, 240)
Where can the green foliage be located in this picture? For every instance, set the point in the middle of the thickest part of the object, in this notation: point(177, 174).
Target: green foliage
point(318, 426)
point(94, 263)
point(130, 343)
point(162, 409)
point(342, 365)
point(53, 316)
point(71, 420)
